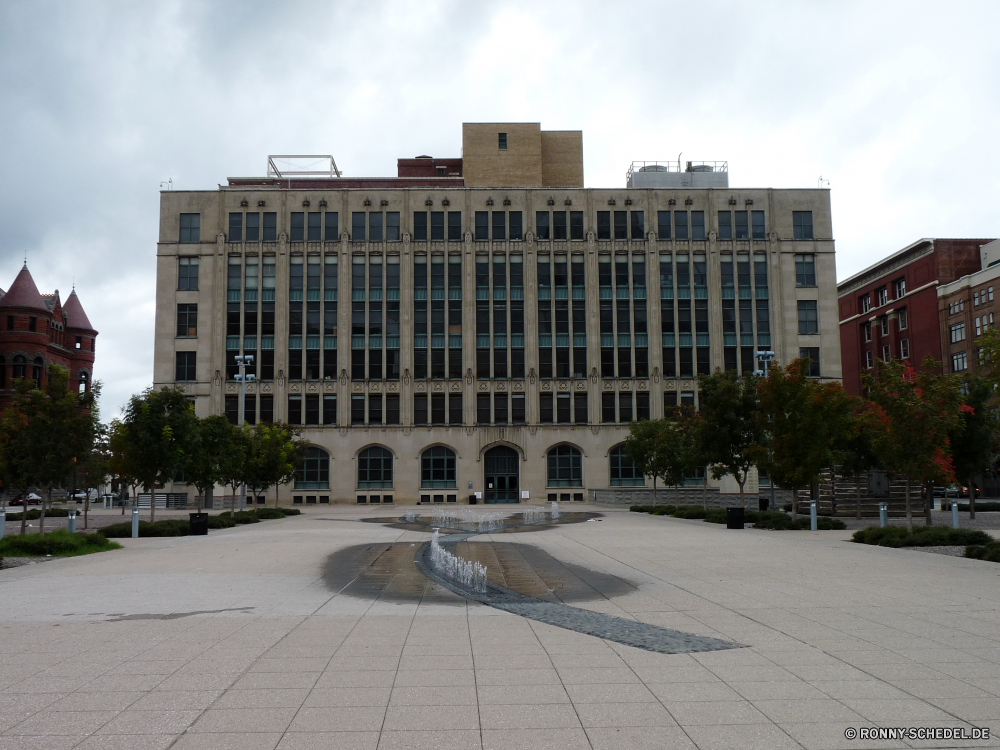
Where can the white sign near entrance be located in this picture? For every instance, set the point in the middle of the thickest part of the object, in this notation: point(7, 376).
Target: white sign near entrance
point(524, 494)
point(479, 496)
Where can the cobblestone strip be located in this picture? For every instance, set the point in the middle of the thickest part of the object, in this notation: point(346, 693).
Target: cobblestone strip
point(628, 632)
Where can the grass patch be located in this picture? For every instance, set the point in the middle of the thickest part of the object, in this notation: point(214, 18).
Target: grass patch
point(58, 543)
point(774, 520)
point(923, 536)
point(989, 552)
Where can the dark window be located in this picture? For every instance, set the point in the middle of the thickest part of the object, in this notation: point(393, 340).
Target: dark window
point(642, 402)
point(580, 408)
point(420, 408)
point(314, 472)
point(19, 370)
point(187, 273)
point(742, 225)
point(542, 225)
point(10, 322)
point(296, 229)
point(270, 226)
point(419, 226)
point(563, 408)
point(500, 408)
point(33, 324)
point(187, 320)
point(314, 226)
point(312, 409)
point(805, 269)
point(802, 225)
point(638, 225)
point(437, 225)
point(253, 227)
point(483, 408)
point(517, 415)
point(621, 225)
point(454, 408)
point(697, 225)
point(680, 225)
point(502, 141)
point(375, 226)
point(185, 366)
point(482, 225)
point(499, 225)
point(576, 225)
point(808, 316)
point(625, 407)
point(757, 225)
point(266, 408)
point(392, 408)
point(190, 228)
point(558, 225)
point(294, 410)
point(663, 225)
point(623, 471)
point(437, 468)
point(437, 408)
point(357, 410)
point(329, 410)
point(375, 408)
point(604, 225)
point(235, 227)
point(607, 408)
point(725, 225)
point(565, 467)
point(358, 226)
point(232, 408)
point(545, 415)
point(454, 226)
point(812, 353)
point(516, 227)
point(332, 226)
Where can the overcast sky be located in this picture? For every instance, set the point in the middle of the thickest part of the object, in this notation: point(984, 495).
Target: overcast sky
point(896, 104)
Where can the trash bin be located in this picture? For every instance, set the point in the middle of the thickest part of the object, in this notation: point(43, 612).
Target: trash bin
point(763, 504)
point(734, 518)
point(199, 524)
point(472, 499)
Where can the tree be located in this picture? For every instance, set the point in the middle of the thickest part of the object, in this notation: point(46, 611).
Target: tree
point(912, 413)
point(121, 459)
point(203, 467)
point(731, 438)
point(159, 428)
point(94, 466)
point(974, 438)
point(233, 460)
point(273, 455)
point(655, 447)
point(803, 419)
point(854, 450)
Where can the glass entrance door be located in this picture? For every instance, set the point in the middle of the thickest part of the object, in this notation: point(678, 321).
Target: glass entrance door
point(501, 469)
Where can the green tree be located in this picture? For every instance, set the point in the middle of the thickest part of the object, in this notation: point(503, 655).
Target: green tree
point(974, 438)
point(911, 415)
point(121, 460)
point(273, 454)
point(654, 446)
point(233, 462)
point(854, 450)
point(803, 419)
point(203, 467)
point(159, 429)
point(731, 438)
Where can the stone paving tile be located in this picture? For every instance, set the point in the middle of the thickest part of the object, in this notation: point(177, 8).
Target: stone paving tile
point(639, 738)
point(51, 742)
point(581, 694)
point(150, 722)
point(127, 742)
point(694, 691)
point(783, 710)
point(528, 716)
point(823, 735)
point(455, 739)
point(345, 679)
point(329, 741)
point(228, 741)
point(624, 715)
point(275, 680)
point(742, 737)
point(433, 696)
point(593, 675)
point(338, 719)
point(894, 711)
point(535, 739)
point(516, 677)
point(176, 700)
point(263, 698)
point(438, 717)
point(62, 722)
point(498, 695)
point(343, 696)
point(716, 713)
point(244, 720)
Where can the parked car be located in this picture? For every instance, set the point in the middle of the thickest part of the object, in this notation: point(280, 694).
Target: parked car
point(81, 495)
point(30, 499)
point(965, 492)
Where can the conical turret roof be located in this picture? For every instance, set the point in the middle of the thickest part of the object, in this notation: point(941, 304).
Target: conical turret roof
point(24, 293)
point(75, 316)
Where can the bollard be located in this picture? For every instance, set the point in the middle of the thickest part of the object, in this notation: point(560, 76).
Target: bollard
point(812, 515)
point(954, 514)
point(883, 514)
point(135, 523)
point(3, 522)
point(71, 522)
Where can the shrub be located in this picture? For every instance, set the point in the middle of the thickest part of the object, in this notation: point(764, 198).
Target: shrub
point(245, 516)
point(291, 511)
point(34, 514)
point(167, 527)
point(784, 522)
point(265, 514)
point(989, 552)
point(924, 536)
point(980, 507)
point(57, 543)
point(220, 522)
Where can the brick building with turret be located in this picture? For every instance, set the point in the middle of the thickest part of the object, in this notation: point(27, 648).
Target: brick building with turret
point(37, 330)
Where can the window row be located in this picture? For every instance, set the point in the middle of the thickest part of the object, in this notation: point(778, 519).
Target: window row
point(882, 295)
point(982, 297)
point(886, 353)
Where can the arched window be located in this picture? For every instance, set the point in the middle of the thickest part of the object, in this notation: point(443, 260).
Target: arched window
point(36, 371)
point(20, 367)
point(375, 468)
point(314, 472)
point(437, 467)
point(623, 471)
point(565, 467)
point(82, 378)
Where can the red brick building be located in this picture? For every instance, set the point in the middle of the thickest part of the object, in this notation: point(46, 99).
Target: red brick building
point(890, 310)
point(37, 330)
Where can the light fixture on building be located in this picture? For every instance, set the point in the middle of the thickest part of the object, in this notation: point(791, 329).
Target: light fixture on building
point(611, 201)
point(688, 202)
point(428, 202)
point(732, 201)
point(551, 201)
point(506, 201)
point(383, 202)
point(568, 202)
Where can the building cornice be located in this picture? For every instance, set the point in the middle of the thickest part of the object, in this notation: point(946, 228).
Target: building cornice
point(886, 266)
point(870, 316)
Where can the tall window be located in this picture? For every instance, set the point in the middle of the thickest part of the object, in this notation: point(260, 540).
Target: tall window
point(36, 371)
point(185, 369)
point(499, 317)
point(623, 316)
point(802, 225)
point(437, 467)
point(900, 287)
point(236, 227)
point(957, 332)
point(437, 318)
point(187, 320)
point(19, 369)
point(667, 313)
point(623, 471)
point(812, 354)
point(865, 303)
point(565, 467)
point(808, 316)
point(805, 269)
point(959, 362)
point(502, 141)
point(187, 273)
point(663, 225)
point(314, 472)
point(190, 228)
point(375, 468)
point(562, 318)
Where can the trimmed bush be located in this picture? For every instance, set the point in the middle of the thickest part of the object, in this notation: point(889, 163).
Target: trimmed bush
point(266, 514)
point(290, 511)
point(989, 552)
point(221, 521)
point(769, 519)
point(58, 543)
point(167, 527)
point(784, 522)
point(923, 536)
point(34, 514)
point(980, 507)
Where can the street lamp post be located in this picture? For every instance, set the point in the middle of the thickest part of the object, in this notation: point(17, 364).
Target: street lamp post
point(765, 358)
point(243, 361)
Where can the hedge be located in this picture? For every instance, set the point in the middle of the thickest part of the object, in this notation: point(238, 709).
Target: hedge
point(922, 536)
point(774, 520)
point(58, 543)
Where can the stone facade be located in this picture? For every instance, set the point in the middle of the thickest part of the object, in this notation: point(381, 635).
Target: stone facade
point(38, 330)
point(450, 328)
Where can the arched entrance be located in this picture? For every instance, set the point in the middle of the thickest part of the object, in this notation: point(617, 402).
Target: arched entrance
point(501, 475)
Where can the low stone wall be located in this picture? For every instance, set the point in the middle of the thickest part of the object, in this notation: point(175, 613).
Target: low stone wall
point(625, 496)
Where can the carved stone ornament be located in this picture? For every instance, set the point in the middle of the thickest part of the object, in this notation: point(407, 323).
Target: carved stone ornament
point(343, 376)
point(656, 374)
point(671, 384)
point(231, 388)
point(439, 386)
point(593, 375)
point(358, 387)
point(330, 386)
point(468, 238)
point(563, 385)
point(218, 378)
point(533, 429)
point(281, 378)
point(251, 387)
point(456, 386)
point(406, 238)
point(484, 386)
point(712, 236)
point(529, 236)
point(420, 386)
point(185, 388)
point(626, 385)
point(531, 376)
point(375, 386)
point(546, 385)
point(581, 385)
point(266, 387)
point(518, 385)
point(468, 376)
point(608, 385)
point(500, 385)
point(392, 387)
point(686, 385)
point(642, 385)
point(313, 387)
point(406, 376)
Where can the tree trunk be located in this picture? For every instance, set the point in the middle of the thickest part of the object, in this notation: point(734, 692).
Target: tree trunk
point(152, 502)
point(909, 510)
point(86, 509)
point(41, 518)
point(24, 512)
point(704, 490)
point(742, 505)
point(654, 490)
point(833, 491)
point(857, 501)
point(972, 500)
point(795, 502)
point(929, 503)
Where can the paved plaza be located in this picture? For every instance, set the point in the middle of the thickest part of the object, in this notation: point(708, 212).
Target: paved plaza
point(314, 632)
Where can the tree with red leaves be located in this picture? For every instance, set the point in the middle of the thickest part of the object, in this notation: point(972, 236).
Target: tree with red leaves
point(910, 414)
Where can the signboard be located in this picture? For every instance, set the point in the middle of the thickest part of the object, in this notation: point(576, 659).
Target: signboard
point(479, 496)
point(524, 494)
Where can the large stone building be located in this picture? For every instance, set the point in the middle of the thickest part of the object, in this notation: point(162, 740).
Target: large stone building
point(890, 310)
point(483, 324)
point(37, 330)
